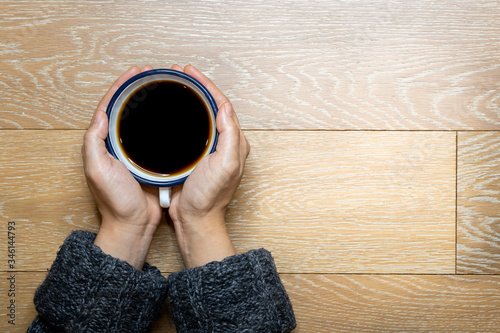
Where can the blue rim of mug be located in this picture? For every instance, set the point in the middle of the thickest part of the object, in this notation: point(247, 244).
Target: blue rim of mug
point(170, 72)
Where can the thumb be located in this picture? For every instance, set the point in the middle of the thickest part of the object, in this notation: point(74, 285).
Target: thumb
point(94, 147)
point(229, 133)
point(99, 124)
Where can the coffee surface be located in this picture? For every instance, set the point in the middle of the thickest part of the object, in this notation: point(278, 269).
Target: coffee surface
point(164, 127)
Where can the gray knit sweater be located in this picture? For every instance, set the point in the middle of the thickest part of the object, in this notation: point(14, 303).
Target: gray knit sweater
point(87, 290)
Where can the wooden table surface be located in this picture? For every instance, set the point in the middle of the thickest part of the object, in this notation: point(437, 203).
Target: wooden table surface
point(374, 176)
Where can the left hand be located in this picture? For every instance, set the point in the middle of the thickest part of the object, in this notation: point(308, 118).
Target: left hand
point(130, 211)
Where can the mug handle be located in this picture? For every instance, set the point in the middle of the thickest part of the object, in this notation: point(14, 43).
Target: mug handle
point(165, 196)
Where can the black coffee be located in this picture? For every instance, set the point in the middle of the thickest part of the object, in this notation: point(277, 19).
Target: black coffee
point(164, 127)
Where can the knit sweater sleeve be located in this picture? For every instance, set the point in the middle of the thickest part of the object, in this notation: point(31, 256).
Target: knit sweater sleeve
point(242, 293)
point(87, 290)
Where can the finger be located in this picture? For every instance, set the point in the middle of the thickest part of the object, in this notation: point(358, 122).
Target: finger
point(219, 97)
point(103, 104)
point(177, 68)
point(94, 147)
point(146, 68)
point(228, 146)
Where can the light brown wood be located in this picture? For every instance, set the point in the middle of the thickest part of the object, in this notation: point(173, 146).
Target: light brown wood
point(345, 303)
point(415, 194)
point(330, 202)
point(478, 230)
point(284, 64)
point(340, 202)
point(383, 303)
point(18, 289)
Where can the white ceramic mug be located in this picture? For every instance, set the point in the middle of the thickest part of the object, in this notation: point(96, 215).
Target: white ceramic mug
point(115, 109)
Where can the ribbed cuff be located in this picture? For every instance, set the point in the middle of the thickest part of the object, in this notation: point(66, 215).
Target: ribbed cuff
point(87, 290)
point(242, 293)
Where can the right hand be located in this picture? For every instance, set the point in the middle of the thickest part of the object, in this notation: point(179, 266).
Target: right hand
point(198, 207)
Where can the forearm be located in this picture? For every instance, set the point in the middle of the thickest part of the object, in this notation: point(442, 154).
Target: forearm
point(130, 245)
point(207, 241)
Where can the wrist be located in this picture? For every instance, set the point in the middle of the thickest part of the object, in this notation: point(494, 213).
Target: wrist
point(128, 243)
point(203, 241)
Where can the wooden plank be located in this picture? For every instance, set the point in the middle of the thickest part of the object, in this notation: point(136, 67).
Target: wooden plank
point(424, 303)
point(18, 289)
point(321, 202)
point(478, 231)
point(284, 64)
point(344, 303)
point(350, 201)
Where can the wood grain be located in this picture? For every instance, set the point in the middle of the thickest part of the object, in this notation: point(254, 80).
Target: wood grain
point(325, 191)
point(44, 191)
point(284, 64)
point(350, 201)
point(21, 286)
point(478, 231)
point(326, 202)
point(346, 303)
point(382, 303)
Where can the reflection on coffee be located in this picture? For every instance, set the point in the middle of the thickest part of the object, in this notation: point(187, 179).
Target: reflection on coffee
point(164, 127)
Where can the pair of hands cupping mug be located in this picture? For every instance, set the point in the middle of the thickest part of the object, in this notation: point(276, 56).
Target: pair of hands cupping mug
point(162, 122)
point(130, 210)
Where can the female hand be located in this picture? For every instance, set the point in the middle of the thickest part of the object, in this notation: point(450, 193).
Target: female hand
point(199, 206)
point(130, 211)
